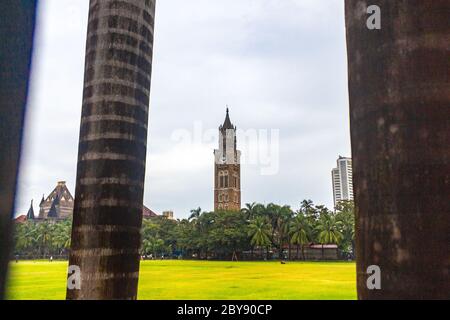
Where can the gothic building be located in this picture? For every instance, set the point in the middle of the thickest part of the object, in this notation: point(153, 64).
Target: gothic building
point(227, 169)
point(58, 205)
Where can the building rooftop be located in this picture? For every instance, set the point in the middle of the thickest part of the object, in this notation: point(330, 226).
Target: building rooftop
point(148, 213)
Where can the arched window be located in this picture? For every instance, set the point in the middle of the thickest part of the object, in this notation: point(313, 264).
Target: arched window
point(221, 179)
point(226, 179)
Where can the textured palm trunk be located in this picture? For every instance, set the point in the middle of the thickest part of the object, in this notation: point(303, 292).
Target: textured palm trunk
point(112, 149)
point(16, 32)
point(400, 127)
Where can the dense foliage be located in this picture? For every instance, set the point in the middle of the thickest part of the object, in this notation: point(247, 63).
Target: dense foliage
point(261, 229)
point(42, 239)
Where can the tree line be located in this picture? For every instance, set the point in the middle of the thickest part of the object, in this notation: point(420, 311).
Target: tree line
point(260, 231)
point(33, 239)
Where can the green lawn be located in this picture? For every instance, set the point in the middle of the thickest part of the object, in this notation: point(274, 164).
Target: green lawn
point(203, 280)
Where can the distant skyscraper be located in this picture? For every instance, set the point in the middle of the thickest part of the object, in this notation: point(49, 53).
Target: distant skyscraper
point(227, 171)
point(342, 178)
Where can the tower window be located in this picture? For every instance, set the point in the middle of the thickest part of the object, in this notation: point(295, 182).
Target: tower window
point(223, 179)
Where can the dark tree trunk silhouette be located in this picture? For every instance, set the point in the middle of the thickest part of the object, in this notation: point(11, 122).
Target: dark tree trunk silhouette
point(399, 106)
point(16, 31)
point(112, 149)
point(289, 248)
point(280, 249)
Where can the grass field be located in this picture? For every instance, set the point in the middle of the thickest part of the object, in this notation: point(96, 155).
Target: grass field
point(203, 280)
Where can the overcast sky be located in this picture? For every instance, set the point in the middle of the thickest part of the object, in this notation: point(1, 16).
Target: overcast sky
point(279, 65)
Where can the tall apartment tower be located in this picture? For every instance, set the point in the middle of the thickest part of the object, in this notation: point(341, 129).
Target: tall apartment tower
point(227, 169)
point(342, 178)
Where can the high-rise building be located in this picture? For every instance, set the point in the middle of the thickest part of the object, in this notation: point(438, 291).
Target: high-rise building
point(342, 178)
point(227, 169)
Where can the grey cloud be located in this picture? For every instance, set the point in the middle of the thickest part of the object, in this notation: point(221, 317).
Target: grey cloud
point(278, 64)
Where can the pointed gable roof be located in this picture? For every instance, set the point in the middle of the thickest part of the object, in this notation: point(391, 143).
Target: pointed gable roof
point(30, 213)
point(227, 123)
point(60, 192)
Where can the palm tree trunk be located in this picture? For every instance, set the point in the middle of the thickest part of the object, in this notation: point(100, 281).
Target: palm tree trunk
point(289, 248)
point(399, 98)
point(16, 31)
point(280, 250)
point(112, 149)
point(298, 252)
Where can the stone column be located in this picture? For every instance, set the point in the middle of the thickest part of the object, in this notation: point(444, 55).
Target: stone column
point(112, 149)
point(399, 85)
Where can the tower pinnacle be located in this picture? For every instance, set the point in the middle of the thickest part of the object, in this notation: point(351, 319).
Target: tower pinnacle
point(227, 123)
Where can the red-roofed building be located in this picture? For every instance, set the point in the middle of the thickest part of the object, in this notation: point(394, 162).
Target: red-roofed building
point(315, 251)
point(20, 219)
point(148, 213)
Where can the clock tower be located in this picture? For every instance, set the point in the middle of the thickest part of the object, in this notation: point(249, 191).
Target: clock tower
point(227, 169)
